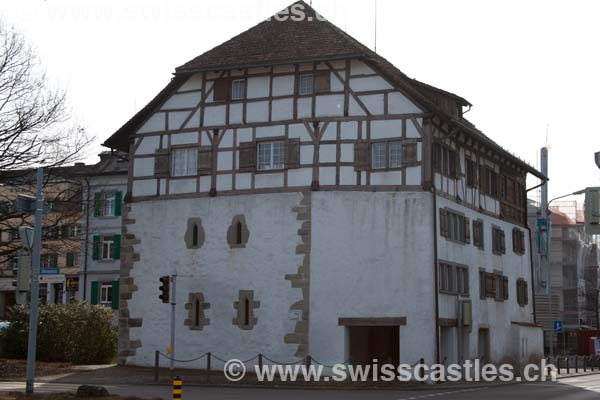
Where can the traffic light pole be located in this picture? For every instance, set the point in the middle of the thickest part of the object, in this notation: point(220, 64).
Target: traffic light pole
point(35, 284)
point(173, 303)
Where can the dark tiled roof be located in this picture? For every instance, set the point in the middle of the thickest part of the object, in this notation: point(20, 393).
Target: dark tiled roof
point(274, 41)
point(312, 39)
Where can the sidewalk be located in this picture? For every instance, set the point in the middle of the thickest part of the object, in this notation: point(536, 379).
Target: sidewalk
point(115, 375)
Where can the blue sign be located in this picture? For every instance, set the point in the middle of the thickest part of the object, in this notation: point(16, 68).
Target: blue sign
point(49, 271)
point(558, 327)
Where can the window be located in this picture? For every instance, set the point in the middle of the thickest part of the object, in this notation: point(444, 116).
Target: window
point(455, 226)
point(487, 284)
point(489, 182)
point(107, 248)
point(74, 231)
point(270, 155)
point(454, 279)
point(471, 173)
point(305, 85)
point(51, 232)
point(518, 237)
point(13, 264)
point(238, 89)
point(107, 204)
point(391, 154)
point(184, 162)
point(195, 235)
point(245, 306)
point(478, 233)
point(196, 320)
point(196, 313)
point(378, 160)
point(445, 161)
point(13, 234)
point(498, 245)
point(106, 294)
point(49, 261)
point(522, 294)
point(462, 280)
point(395, 154)
point(238, 233)
point(72, 259)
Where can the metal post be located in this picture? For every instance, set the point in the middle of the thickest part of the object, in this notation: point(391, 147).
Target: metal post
point(35, 283)
point(156, 364)
point(173, 303)
point(208, 357)
point(177, 388)
point(544, 256)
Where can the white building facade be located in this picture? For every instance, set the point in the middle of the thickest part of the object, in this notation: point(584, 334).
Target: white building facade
point(316, 201)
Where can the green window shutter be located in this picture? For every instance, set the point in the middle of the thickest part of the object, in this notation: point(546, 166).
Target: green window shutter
point(118, 203)
point(116, 250)
point(115, 295)
point(96, 247)
point(97, 204)
point(94, 295)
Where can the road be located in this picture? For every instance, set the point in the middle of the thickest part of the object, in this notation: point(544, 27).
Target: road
point(575, 388)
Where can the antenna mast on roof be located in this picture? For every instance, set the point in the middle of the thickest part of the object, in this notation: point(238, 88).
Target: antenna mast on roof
point(375, 26)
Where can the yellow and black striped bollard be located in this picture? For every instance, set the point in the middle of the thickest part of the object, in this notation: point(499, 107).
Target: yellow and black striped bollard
point(177, 388)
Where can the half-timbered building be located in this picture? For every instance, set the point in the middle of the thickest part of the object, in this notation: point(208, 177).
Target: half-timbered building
point(320, 202)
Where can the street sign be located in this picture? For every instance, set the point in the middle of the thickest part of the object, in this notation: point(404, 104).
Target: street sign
point(49, 271)
point(558, 327)
point(59, 278)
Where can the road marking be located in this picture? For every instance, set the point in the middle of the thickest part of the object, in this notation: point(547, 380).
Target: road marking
point(442, 393)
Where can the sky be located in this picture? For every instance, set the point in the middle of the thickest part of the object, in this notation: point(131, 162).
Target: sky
point(531, 69)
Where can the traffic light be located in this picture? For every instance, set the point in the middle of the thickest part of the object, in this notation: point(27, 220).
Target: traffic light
point(592, 210)
point(165, 283)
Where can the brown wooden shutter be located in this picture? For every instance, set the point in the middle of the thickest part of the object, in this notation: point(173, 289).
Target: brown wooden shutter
point(505, 287)
point(361, 156)
point(515, 240)
point(525, 293)
point(409, 153)
point(483, 185)
point(162, 165)
point(221, 90)
point(490, 284)
point(292, 156)
point(205, 160)
point(457, 169)
point(322, 82)
point(482, 293)
point(247, 157)
point(467, 223)
point(502, 242)
point(443, 222)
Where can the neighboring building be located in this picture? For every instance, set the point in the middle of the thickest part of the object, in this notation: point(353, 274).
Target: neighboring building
point(315, 200)
point(574, 279)
point(60, 235)
point(103, 190)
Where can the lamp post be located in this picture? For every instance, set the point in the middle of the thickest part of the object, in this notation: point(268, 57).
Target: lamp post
point(35, 283)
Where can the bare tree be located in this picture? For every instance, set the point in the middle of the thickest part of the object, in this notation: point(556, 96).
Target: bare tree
point(31, 111)
point(34, 131)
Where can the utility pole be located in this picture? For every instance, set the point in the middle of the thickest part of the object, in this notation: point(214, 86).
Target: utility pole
point(544, 227)
point(35, 283)
point(173, 303)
